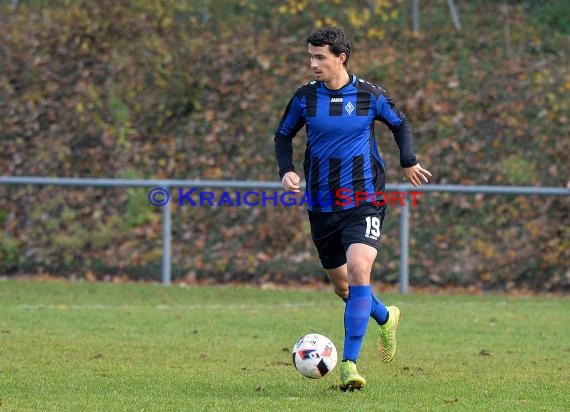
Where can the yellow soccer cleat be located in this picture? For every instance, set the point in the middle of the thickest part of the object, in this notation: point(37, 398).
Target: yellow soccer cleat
point(386, 345)
point(350, 379)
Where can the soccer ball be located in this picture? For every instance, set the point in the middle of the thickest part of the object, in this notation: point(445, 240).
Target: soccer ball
point(314, 355)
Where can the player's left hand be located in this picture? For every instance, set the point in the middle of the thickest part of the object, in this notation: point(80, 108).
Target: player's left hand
point(416, 174)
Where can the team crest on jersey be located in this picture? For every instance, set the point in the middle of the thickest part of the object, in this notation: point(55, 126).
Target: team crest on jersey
point(349, 108)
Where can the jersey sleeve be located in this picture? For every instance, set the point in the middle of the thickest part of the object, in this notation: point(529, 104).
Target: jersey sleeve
point(291, 122)
point(391, 116)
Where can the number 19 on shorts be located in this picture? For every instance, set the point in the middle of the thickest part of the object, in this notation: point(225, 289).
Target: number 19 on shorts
point(373, 228)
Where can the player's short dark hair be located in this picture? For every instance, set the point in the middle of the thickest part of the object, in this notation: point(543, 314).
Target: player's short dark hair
point(335, 37)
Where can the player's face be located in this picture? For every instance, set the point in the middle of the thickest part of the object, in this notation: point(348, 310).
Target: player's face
point(325, 65)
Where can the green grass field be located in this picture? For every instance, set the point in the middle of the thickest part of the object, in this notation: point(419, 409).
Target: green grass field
point(106, 347)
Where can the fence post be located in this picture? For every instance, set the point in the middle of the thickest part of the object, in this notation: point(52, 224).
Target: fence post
point(404, 242)
point(166, 241)
point(416, 16)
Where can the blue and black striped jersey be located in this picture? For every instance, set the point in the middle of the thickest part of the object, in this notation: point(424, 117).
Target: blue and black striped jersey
point(341, 151)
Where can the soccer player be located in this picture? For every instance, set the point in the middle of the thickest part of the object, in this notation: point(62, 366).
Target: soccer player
point(338, 110)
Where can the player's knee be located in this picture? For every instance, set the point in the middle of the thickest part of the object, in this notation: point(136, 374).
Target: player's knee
point(341, 293)
point(360, 271)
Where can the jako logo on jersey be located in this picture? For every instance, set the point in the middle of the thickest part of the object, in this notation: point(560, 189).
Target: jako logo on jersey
point(336, 99)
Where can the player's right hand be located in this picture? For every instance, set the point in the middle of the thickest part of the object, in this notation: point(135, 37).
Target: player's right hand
point(291, 182)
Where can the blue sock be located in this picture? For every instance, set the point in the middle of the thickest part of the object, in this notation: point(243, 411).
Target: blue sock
point(378, 311)
point(356, 315)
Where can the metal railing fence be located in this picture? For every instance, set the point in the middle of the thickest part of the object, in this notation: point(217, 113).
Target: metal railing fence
point(404, 227)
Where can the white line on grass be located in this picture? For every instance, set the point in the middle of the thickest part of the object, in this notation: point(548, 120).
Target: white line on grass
point(98, 306)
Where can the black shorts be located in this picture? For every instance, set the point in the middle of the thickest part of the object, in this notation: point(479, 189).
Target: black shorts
point(334, 232)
